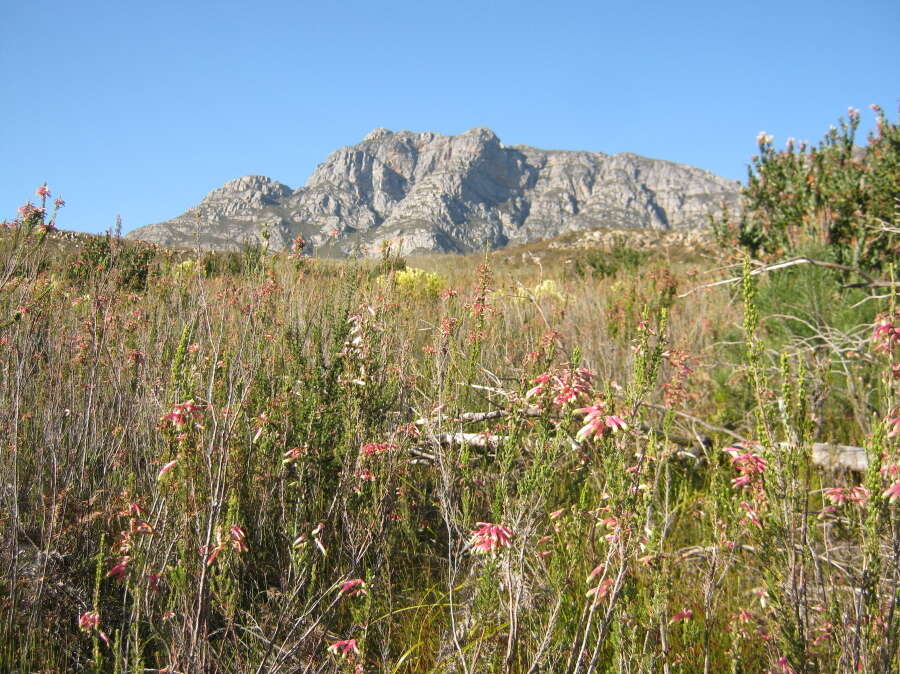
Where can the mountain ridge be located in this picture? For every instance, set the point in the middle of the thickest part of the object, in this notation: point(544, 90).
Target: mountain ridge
point(430, 192)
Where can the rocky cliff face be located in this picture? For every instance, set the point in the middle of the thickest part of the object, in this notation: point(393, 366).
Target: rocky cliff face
point(426, 192)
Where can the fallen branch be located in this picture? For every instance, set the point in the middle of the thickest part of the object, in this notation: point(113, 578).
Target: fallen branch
point(825, 455)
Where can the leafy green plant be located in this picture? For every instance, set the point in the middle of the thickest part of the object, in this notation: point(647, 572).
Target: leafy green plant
point(836, 194)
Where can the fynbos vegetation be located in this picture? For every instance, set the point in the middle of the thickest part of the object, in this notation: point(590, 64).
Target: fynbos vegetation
point(247, 462)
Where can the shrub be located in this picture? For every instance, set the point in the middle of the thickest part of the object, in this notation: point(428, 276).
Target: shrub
point(601, 263)
point(417, 282)
point(106, 254)
point(836, 193)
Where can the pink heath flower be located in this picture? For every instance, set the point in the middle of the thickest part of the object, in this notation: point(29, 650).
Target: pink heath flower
point(373, 448)
point(748, 464)
point(165, 469)
point(893, 425)
point(182, 413)
point(839, 495)
point(885, 335)
point(120, 570)
point(687, 614)
point(600, 568)
point(598, 423)
point(600, 592)
point(490, 537)
point(892, 492)
point(89, 621)
point(615, 424)
point(238, 538)
point(43, 191)
point(353, 587)
point(752, 516)
point(784, 666)
point(542, 380)
point(343, 647)
point(566, 385)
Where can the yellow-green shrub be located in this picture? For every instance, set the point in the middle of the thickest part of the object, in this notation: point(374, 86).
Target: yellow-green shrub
point(418, 283)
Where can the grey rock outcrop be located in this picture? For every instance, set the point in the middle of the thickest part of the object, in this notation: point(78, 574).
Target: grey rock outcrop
point(427, 192)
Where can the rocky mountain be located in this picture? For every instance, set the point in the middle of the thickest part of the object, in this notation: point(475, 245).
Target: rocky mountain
point(427, 192)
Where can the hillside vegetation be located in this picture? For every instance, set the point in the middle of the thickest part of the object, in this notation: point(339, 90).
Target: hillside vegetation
point(543, 459)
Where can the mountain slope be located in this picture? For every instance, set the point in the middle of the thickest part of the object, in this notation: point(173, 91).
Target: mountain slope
point(427, 192)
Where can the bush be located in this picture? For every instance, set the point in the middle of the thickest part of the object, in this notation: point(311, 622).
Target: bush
point(836, 194)
point(130, 264)
point(416, 282)
point(600, 263)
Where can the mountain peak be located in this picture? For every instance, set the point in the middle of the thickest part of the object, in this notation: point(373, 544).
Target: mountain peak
point(376, 134)
point(434, 192)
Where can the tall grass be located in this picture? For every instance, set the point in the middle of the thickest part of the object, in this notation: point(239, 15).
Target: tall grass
point(289, 464)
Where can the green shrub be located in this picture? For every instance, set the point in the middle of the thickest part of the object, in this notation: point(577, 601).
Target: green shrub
point(601, 263)
point(416, 282)
point(101, 255)
point(837, 194)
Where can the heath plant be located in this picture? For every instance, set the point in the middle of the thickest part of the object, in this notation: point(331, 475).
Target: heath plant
point(273, 463)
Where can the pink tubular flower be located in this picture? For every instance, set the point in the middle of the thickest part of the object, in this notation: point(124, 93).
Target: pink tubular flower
point(600, 591)
point(89, 621)
point(839, 495)
point(490, 537)
point(595, 426)
point(344, 647)
point(165, 469)
point(892, 492)
point(556, 514)
point(373, 448)
point(600, 568)
point(749, 464)
point(238, 538)
point(885, 335)
point(784, 666)
point(893, 424)
point(615, 423)
point(182, 413)
point(687, 614)
point(120, 570)
point(752, 516)
point(353, 587)
point(43, 191)
point(542, 380)
point(566, 385)
point(598, 423)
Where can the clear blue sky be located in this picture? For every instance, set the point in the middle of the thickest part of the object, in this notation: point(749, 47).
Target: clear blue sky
point(141, 108)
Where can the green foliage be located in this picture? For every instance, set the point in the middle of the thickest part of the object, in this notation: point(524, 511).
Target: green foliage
point(253, 470)
point(108, 256)
point(836, 194)
point(600, 264)
point(418, 283)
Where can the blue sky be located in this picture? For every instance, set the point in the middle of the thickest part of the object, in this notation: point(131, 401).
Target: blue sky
point(140, 109)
